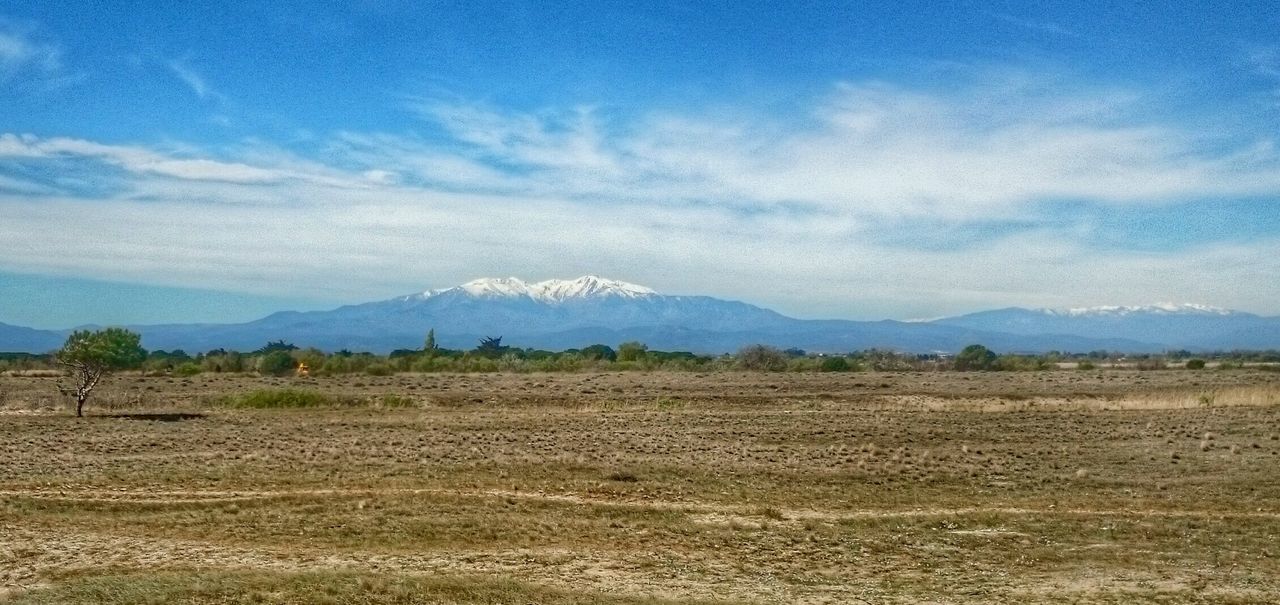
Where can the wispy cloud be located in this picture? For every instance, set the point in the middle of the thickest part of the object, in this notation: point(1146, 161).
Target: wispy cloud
point(144, 161)
point(867, 149)
point(29, 60)
point(19, 51)
point(698, 202)
point(1264, 62)
point(194, 80)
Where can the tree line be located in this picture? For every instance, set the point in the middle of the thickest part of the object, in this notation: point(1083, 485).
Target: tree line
point(280, 358)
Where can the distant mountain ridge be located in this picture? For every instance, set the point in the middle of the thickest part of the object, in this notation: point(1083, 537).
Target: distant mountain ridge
point(558, 314)
point(17, 339)
point(1183, 326)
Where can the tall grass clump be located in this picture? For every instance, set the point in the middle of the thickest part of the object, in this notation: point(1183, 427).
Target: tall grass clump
point(1253, 395)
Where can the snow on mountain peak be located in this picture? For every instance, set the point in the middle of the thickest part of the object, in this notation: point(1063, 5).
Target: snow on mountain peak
point(589, 286)
point(494, 287)
point(549, 291)
point(1164, 308)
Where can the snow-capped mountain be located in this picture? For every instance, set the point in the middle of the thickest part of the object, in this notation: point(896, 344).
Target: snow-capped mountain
point(549, 291)
point(1175, 326)
point(558, 314)
point(1155, 309)
point(552, 313)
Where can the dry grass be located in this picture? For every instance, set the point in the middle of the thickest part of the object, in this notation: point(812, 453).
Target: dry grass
point(634, 488)
point(1250, 396)
point(309, 588)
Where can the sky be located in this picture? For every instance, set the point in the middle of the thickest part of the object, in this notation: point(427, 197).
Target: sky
point(161, 162)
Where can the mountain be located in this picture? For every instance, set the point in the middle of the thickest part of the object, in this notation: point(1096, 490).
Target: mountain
point(1172, 326)
point(17, 339)
point(541, 314)
point(560, 314)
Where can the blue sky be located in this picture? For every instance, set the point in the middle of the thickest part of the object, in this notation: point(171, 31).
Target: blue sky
point(162, 163)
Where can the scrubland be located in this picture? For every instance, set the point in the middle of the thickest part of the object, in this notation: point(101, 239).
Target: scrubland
point(725, 487)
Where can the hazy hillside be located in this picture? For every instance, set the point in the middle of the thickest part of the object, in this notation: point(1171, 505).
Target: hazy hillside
point(17, 339)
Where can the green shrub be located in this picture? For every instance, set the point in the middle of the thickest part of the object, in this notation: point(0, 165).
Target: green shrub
point(834, 364)
point(379, 369)
point(187, 369)
point(1086, 365)
point(975, 357)
point(1195, 364)
point(275, 363)
point(432, 364)
point(599, 352)
point(632, 351)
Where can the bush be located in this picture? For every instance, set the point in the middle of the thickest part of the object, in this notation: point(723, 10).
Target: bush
point(762, 358)
point(224, 362)
point(599, 352)
point(275, 363)
point(632, 351)
point(188, 369)
point(476, 364)
point(834, 364)
point(433, 364)
point(1195, 364)
point(1086, 365)
point(1022, 363)
point(378, 369)
point(975, 357)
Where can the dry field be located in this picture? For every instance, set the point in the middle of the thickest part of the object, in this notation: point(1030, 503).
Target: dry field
point(1052, 487)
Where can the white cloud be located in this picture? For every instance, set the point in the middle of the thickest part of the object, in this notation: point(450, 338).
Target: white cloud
point(365, 245)
point(784, 212)
point(382, 177)
point(208, 170)
point(868, 150)
point(558, 141)
point(141, 160)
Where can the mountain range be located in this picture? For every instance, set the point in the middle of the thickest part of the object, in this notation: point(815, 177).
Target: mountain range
point(561, 314)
